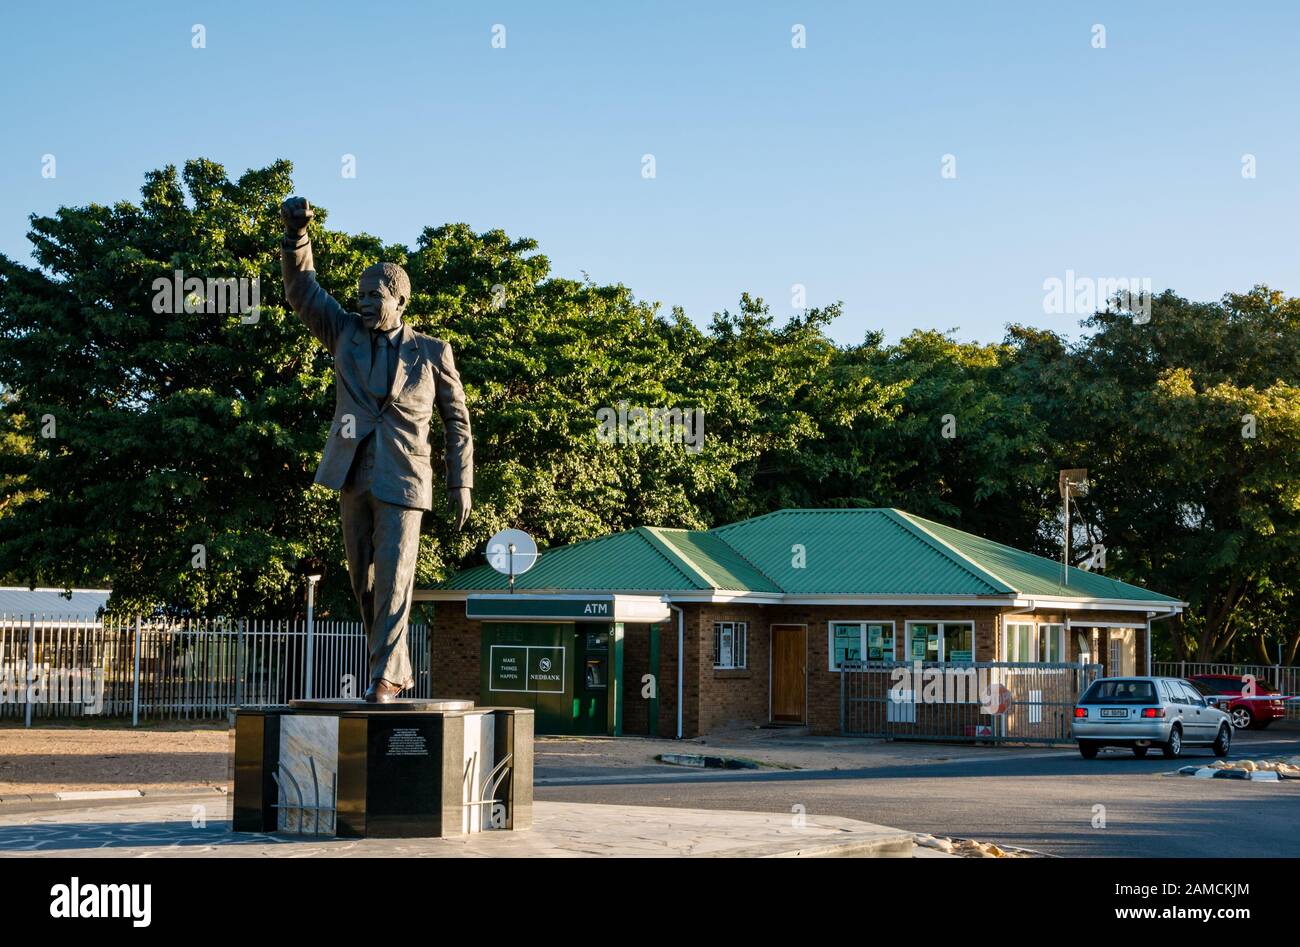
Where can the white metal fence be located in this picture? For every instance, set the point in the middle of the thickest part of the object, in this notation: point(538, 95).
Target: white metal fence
point(985, 702)
point(52, 666)
point(1284, 678)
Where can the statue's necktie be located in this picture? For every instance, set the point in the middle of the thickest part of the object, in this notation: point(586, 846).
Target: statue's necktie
point(378, 382)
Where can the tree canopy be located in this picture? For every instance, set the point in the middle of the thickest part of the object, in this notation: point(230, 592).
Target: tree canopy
point(170, 455)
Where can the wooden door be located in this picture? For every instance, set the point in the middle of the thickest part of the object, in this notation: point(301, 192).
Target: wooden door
point(789, 673)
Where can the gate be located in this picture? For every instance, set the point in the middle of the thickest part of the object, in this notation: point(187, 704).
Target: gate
point(986, 702)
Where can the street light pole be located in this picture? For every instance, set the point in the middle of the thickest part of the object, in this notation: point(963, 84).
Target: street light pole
point(311, 635)
point(1065, 542)
point(1072, 483)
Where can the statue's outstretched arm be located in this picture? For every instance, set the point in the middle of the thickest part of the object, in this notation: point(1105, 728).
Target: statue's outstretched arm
point(319, 311)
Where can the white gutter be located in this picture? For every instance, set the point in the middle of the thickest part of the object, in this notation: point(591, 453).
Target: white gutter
point(1101, 604)
point(772, 598)
point(1150, 618)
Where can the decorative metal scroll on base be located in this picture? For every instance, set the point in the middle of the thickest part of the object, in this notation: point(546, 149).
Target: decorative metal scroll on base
point(487, 790)
point(287, 809)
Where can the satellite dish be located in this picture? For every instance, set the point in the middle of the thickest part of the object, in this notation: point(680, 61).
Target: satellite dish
point(512, 552)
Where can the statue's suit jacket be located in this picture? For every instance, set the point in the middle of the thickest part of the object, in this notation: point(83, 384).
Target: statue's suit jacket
point(425, 376)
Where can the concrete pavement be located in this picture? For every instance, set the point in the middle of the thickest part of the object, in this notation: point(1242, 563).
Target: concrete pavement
point(200, 827)
point(1037, 798)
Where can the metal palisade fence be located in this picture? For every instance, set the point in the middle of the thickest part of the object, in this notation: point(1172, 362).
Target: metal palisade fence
point(1283, 678)
point(157, 668)
point(996, 702)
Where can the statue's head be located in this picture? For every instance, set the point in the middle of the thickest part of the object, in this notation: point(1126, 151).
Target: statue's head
point(383, 294)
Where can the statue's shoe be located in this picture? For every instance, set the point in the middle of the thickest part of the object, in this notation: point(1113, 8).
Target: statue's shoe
point(384, 691)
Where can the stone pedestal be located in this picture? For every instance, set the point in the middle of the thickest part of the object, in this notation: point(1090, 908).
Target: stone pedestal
point(407, 769)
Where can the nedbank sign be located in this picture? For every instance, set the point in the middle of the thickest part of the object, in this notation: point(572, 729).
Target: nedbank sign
point(521, 607)
point(526, 669)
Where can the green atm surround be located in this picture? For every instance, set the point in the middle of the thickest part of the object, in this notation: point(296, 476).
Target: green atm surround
point(569, 673)
point(582, 633)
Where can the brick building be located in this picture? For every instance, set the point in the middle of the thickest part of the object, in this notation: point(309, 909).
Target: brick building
point(679, 632)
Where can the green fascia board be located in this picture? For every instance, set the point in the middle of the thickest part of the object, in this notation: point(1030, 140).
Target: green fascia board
point(1030, 574)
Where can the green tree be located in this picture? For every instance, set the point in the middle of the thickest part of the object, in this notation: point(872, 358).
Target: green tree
point(133, 438)
point(938, 427)
point(773, 396)
point(192, 430)
point(1190, 427)
point(160, 436)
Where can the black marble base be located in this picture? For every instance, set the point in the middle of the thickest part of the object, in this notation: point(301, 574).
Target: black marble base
point(358, 770)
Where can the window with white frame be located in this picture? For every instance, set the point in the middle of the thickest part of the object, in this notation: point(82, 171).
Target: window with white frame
point(941, 641)
point(1051, 643)
point(860, 641)
point(730, 644)
point(1025, 642)
point(1018, 642)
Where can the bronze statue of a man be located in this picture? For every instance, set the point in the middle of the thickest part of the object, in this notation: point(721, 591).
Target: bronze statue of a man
point(387, 381)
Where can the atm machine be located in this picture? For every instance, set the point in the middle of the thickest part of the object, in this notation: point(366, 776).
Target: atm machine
point(570, 673)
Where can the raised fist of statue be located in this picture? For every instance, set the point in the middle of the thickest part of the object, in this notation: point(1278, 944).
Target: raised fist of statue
point(296, 213)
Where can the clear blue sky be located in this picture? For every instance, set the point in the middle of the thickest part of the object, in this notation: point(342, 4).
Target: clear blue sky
point(775, 166)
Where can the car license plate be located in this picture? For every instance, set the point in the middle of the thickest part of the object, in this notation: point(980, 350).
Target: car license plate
point(1113, 712)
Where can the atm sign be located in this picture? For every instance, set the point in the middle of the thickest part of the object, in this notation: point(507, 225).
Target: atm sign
point(539, 609)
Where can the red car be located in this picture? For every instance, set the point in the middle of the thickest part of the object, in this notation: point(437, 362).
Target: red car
point(1257, 710)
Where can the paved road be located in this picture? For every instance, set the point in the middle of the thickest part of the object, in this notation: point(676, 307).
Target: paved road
point(1042, 799)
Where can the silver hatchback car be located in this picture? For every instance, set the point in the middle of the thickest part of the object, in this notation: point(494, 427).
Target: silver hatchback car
point(1142, 712)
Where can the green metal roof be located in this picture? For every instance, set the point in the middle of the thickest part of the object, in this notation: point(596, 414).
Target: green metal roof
point(853, 552)
point(1034, 575)
point(627, 561)
point(717, 564)
point(856, 552)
